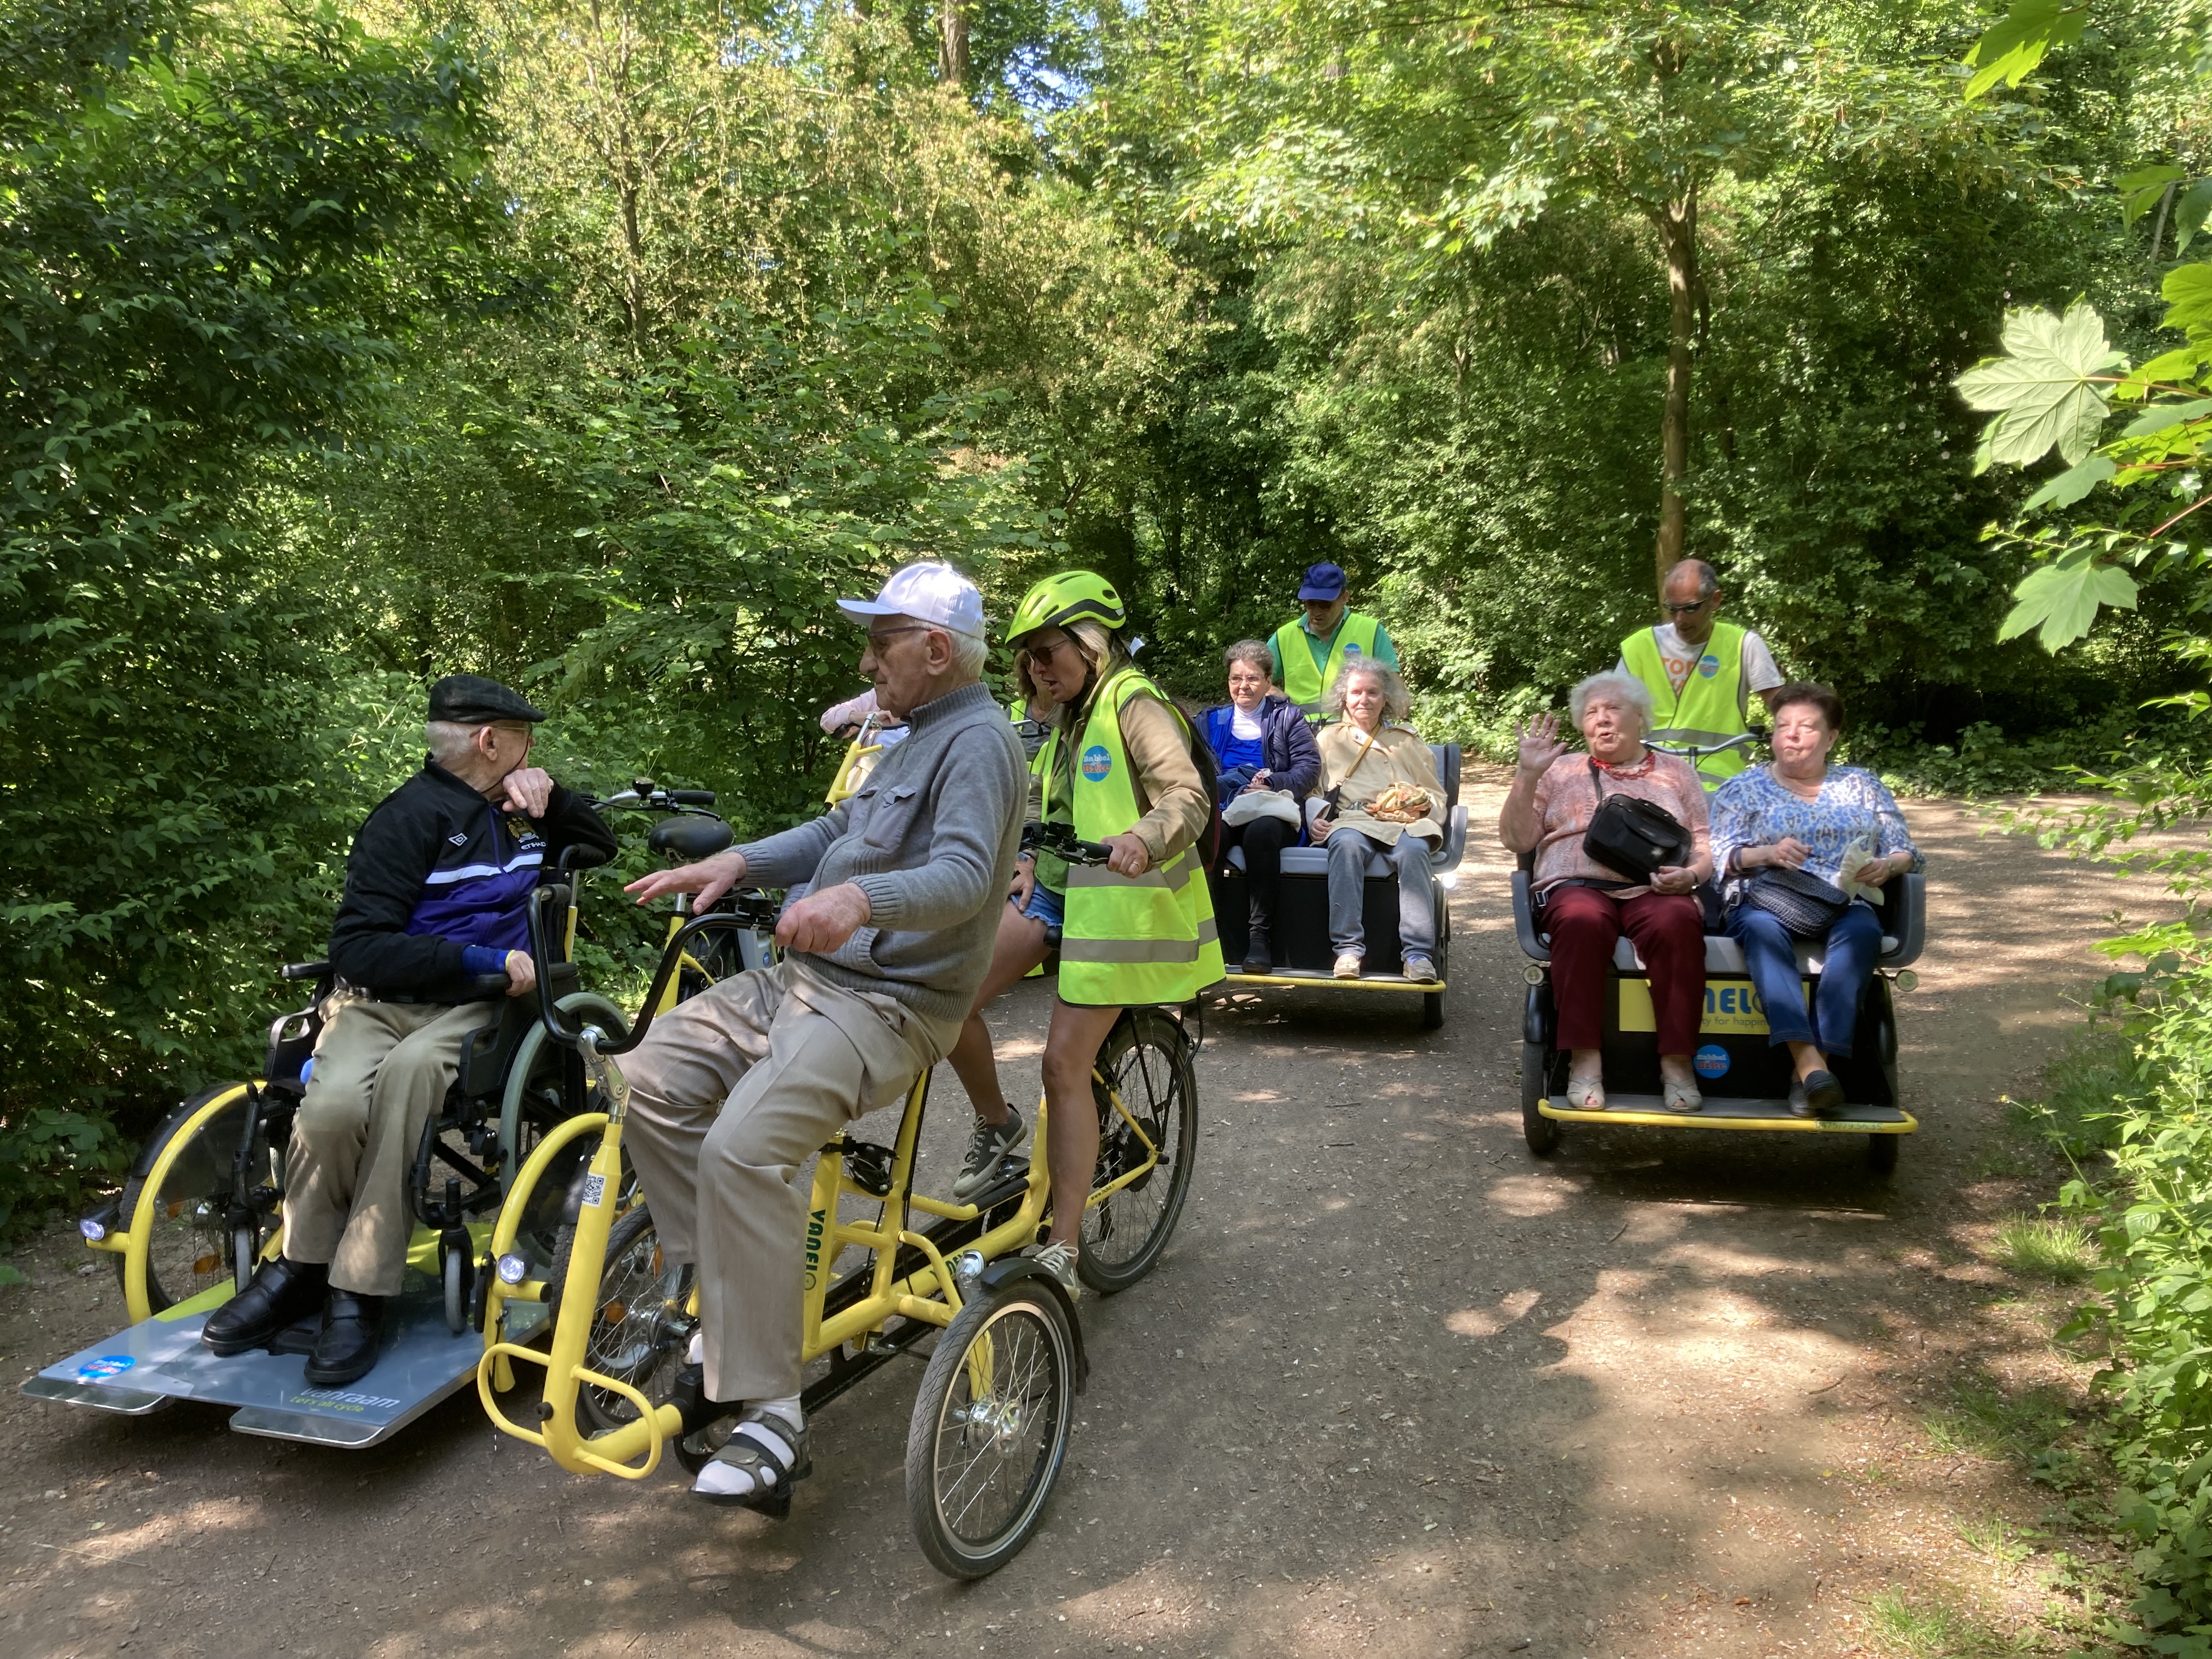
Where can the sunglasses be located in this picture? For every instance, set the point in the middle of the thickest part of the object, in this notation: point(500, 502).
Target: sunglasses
point(1684, 610)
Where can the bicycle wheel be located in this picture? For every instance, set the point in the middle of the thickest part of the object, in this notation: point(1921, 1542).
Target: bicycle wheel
point(990, 1429)
point(1542, 1132)
point(1146, 1061)
point(642, 1326)
point(177, 1204)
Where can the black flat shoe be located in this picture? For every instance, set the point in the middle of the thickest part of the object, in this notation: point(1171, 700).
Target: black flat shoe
point(1799, 1106)
point(1824, 1094)
point(281, 1293)
point(347, 1348)
point(1258, 953)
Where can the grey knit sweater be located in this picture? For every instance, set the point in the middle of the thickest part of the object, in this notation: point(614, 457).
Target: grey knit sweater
point(931, 839)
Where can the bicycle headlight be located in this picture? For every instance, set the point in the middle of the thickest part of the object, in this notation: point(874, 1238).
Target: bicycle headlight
point(512, 1269)
point(1533, 973)
point(93, 1231)
point(968, 1267)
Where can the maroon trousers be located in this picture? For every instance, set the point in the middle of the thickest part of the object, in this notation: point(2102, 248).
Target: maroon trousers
point(1669, 933)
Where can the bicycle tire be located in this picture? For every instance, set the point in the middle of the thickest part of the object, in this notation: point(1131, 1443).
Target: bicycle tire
point(1007, 1440)
point(1542, 1132)
point(177, 1211)
point(1146, 1059)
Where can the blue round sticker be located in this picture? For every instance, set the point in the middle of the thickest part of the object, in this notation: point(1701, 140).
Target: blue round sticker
point(1712, 1060)
point(1096, 763)
point(1709, 665)
point(108, 1366)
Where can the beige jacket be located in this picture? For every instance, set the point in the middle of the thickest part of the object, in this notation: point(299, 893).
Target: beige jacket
point(1170, 791)
point(1396, 755)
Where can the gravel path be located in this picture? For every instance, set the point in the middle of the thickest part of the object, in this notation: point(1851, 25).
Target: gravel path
point(1396, 1387)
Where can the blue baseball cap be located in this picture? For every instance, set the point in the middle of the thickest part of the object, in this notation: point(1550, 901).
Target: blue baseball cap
point(1323, 581)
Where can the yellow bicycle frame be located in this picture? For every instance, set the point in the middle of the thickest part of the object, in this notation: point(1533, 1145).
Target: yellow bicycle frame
point(931, 1294)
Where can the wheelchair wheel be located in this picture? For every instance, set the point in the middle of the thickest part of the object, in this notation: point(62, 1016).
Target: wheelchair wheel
point(177, 1204)
point(990, 1429)
point(1542, 1132)
point(1146, 1061)
point(644, 1324)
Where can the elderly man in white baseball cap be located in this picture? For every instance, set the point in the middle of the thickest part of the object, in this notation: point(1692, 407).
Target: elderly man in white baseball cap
point(732, 1091)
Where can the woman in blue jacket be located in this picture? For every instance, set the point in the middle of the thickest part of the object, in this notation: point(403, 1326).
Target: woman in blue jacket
point(1263, 743)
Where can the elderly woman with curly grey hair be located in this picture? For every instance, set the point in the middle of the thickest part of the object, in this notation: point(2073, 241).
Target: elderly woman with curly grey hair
point(1379, 781)
point(1586, 907)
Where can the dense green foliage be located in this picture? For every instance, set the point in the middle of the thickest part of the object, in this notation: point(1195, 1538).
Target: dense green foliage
point(597, 346)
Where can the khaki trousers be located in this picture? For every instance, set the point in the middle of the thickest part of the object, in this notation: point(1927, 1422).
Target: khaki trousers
point(382, 1068)
point(731, 1093)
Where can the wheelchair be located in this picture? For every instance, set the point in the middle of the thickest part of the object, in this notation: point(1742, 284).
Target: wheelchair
point(1303, 954)
point(1734, 1052)
point(202, 1205)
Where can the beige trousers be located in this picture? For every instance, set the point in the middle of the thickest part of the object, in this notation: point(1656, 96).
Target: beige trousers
point(731, 1093)
point(381, 1069)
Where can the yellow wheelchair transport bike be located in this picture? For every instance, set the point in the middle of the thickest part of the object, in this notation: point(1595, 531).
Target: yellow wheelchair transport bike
point(990, 1423)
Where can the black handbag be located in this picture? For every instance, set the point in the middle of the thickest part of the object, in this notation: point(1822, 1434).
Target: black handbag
point(1807, 906)
point(1632, 836)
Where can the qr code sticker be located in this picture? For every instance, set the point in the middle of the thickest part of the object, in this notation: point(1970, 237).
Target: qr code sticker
point(595, 1189)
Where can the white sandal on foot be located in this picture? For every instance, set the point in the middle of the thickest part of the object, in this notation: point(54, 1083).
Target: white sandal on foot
point(1585, 1094)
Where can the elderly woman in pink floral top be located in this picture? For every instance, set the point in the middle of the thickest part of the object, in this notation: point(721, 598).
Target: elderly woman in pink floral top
point(1586, 907)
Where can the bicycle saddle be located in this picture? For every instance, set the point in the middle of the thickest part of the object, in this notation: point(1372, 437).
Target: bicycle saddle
point(691, 836)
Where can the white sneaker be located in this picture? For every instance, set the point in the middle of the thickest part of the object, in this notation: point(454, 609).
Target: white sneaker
point(1420, 969)
point(1058, 1261)
point(1347, 966)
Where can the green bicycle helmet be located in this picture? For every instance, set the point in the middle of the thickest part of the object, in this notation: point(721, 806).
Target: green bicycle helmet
point(1071, 596)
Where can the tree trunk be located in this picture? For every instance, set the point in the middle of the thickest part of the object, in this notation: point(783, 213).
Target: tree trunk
point(952, 43)
point(1678, 235)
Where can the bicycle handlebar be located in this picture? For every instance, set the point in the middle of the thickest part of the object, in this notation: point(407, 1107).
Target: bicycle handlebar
point(746, 909)
point(1062, 842)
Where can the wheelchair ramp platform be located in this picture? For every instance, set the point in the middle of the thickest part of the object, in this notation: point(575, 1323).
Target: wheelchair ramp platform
point(1718, 1113)
point(161, 1360)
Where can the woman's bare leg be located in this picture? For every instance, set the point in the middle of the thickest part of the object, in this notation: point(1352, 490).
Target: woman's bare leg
point(1019, 947)
point(1072, 1152)
point(1805, 1060)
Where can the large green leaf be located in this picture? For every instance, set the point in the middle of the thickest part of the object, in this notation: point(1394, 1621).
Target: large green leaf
point(2010, 51)
point(2060, 601)
point(2071, 485)
point(2140, 189)
point(2187, 292)
point(2190, 215)
point(2041, 389)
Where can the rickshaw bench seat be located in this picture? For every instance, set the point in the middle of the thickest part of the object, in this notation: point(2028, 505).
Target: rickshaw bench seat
point(1314, 861)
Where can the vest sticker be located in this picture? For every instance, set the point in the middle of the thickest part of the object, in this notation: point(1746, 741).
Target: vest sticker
point(1351, 648)
point(1096, 763)
point(1709, 665)
point(108, 1366)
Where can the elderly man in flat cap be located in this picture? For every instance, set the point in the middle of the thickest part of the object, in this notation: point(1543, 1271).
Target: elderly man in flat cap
point(435, 895)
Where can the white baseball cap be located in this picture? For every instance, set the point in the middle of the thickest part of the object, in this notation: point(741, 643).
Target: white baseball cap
point(933, 593)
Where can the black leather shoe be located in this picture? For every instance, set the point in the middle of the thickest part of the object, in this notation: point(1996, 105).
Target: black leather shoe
point(281, 1293)
point(1824, 1094)
point(1799, 1106)
point(1259, 954)
point(347, 1348)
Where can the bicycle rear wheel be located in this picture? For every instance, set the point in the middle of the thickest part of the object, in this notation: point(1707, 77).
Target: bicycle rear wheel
point(1146, 1061)
point(177, 1209)
point(990, 1429)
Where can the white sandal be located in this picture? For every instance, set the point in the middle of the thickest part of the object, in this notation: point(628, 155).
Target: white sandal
point(1680, 1097)
point(1585, 1094)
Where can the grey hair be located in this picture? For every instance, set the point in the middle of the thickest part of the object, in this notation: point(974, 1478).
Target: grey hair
point(1709, 580)
point(969, 652)
point(1396, 700)
point(447, 741)
point(1255, 652)
point(1622, 688)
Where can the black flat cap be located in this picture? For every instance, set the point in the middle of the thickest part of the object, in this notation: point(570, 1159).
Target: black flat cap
point(472, 700)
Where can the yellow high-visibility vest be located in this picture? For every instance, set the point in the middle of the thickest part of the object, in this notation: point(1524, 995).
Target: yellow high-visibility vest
point(1302, 682)
point(1129, 940)
point(1709, 708)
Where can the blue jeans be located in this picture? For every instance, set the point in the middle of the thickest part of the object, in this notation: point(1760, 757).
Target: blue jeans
point(1854, 942)
point(1347, 891)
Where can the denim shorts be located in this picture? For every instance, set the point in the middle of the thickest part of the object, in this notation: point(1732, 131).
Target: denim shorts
point(1046, 907)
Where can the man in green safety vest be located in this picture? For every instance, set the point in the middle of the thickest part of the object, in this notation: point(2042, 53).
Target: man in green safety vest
point(1701, 672)
point(1310, 651)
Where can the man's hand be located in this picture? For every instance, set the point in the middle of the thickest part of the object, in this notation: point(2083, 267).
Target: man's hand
point(1126, 856)
point(528, 790)
point(709, 879)
point(521, 971)
point(820, 923)
point(1673, 879)
point(1539, 744)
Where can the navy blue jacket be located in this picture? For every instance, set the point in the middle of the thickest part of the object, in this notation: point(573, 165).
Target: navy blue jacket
point(1289, 754)
point(438, 883)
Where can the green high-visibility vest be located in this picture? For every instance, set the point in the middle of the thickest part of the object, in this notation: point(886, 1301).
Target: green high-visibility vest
point(1355, 637)
point(1709, 708)
point(1129, 939)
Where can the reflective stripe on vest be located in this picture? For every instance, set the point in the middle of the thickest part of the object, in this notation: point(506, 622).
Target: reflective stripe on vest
point(1708, 709)
point(1302, 682)
point(1127, 940)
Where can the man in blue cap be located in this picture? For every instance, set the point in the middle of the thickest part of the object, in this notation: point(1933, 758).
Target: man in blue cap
point(1310, 651)
point(435, 891)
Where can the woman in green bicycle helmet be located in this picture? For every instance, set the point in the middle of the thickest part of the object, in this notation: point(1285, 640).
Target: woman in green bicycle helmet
point(1117, 767)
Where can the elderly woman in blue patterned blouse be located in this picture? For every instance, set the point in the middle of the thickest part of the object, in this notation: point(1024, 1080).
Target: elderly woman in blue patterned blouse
point(1800, 813)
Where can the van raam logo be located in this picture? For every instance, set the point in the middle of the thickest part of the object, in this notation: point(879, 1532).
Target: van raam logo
point(342, 1400)
point(813, 1247)
point(1096, 763)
